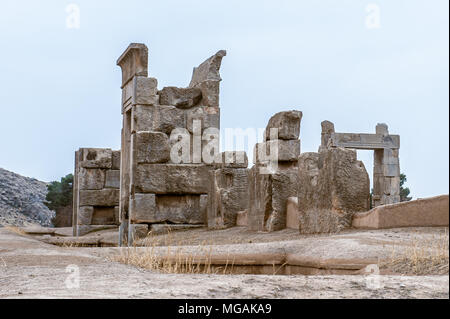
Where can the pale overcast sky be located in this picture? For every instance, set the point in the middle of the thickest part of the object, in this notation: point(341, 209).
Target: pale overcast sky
point(60, 86)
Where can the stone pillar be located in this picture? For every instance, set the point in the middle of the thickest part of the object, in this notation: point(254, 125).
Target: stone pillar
point(75, 188)
point(386, 172)
point(273, 178)
point(327, 130)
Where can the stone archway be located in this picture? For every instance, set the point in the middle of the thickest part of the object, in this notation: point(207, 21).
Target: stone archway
point(386, 165)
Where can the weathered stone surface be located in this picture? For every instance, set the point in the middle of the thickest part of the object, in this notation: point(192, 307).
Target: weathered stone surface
point(96, 158)
point(228, 195)
point(136, 231)
point(268, 198)
point(103, 215)
point(278, 150)
point(134, 61)
point(287, 123)
point(208, 70)
point(292, 215)
point(85, 214)
point(143, 208)
point(91, 178)
point(424, 212)
point(208, 117)
point(364, 141)
point(115, 160)
point(158, 229)
point(116, 215)
point(180, 209)
point(333, 185)
point(242, 218)
point(112, 179)
point(172, 178)
point(161, 118)
point(152, 147)
point(206, 77)
point(145, 91)
point(232, 159)
point(327, 130)
point(103, 197)
point(182, 98)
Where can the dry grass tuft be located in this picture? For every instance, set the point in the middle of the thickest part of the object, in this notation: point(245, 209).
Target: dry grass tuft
point(421, 256)
point(173, 261)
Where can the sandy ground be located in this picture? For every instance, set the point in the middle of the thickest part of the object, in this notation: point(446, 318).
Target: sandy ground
point(32, 269)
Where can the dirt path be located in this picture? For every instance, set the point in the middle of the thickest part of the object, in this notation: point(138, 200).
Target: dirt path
point(32, 269)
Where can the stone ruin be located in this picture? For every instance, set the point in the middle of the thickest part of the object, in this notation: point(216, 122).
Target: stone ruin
point(386, 165)
point(273, 178)
point(228, 190)
point(172, 174)
point(164, 175)
point(96, 187)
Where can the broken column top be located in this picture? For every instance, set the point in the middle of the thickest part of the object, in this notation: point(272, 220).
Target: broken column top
point(327, 127)
point(382, 129)
point(287, 123)
point(134, 61)
point(208, 70)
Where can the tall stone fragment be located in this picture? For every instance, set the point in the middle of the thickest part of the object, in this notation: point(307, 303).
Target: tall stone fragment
point(333, 185)
point(206, 77)
point(268, 198)
point(228, 194)
point(273, 179)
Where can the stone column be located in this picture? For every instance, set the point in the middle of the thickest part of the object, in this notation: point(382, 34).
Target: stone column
point(327, 130)
point(134, 65)
point(386, 172)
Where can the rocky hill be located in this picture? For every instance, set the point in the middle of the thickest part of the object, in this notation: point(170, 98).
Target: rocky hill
point(21, 200)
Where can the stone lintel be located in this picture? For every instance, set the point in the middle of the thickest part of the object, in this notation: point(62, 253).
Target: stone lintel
point(365, 141)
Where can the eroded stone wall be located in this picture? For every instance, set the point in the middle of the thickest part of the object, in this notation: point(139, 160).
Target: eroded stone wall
point(95, 188)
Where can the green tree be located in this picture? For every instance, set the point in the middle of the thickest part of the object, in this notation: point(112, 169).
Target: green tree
point(404, 191)
point(59, 199)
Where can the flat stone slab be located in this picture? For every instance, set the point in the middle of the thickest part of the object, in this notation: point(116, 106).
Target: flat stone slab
point(166, 228)
point(433, 211)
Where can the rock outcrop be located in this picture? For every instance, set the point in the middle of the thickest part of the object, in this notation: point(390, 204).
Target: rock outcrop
point(21, 201)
